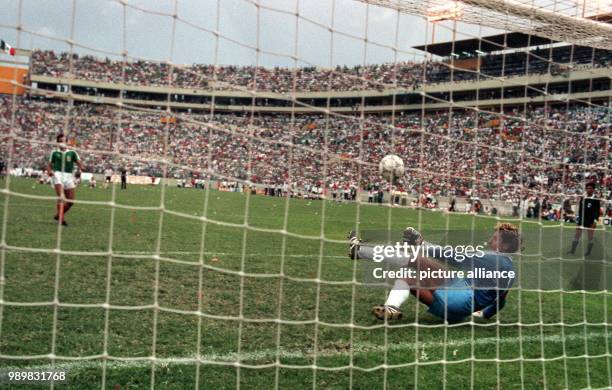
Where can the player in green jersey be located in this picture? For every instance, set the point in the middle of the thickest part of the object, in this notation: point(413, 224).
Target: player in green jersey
point(60, 169)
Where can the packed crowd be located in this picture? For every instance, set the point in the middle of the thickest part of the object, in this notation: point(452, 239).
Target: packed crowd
point(306, 79)
point(464, 153)
point(49, 63)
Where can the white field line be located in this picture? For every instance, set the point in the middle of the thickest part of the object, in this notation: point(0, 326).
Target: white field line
point(316, 256)
point(213, 253)
point(271, 354)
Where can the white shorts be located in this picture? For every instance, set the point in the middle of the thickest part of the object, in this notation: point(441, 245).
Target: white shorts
point(64, 178)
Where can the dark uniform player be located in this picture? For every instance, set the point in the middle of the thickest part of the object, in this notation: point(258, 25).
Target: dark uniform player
point(588, 213)
point(123, 178)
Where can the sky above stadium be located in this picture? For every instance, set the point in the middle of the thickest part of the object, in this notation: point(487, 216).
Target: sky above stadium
point(146, 30)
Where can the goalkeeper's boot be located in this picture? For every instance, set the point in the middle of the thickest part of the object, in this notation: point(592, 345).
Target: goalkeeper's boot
point(589, 249)
point(353, 245)
point(574, 246)
point(411, 236)
point(387, 311)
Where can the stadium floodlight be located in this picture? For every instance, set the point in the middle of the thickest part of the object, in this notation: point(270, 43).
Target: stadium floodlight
point(446, 11)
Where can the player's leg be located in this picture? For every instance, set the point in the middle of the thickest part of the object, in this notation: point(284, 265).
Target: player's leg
point(591, 236)
point(59, 207)
point(422, 288)
point(58, 186)
point(578, 282)
point(401, 289)
point(576, 240)
point(391, 308)
point(359, 250)
point(425, 296)
point(69, 193)
point(399, 294)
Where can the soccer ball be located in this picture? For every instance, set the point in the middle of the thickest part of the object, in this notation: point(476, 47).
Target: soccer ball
point(391, 167)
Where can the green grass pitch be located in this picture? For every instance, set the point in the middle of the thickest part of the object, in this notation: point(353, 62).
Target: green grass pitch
point(550, 339)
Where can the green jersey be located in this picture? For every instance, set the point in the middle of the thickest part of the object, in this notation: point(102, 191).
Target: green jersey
point(63, 161)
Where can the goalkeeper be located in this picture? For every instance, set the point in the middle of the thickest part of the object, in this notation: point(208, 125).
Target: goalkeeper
point(589, 212)
point(452, 299)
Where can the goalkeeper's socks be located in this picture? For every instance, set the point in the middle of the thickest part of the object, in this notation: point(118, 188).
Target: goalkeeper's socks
point(589, 248)
point(574, 246)
point(398, 294)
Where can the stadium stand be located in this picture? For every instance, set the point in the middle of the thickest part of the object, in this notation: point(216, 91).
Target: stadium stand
point(469, 153)
point(468, 147)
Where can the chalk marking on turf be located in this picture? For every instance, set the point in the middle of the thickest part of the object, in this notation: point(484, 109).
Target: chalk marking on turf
point(149, 253)
point(226, 254)
point(270, 354)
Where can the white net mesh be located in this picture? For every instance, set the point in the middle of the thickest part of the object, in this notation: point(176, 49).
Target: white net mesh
point(230, 269)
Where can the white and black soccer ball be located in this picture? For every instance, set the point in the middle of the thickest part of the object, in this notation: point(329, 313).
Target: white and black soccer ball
point(391, 167)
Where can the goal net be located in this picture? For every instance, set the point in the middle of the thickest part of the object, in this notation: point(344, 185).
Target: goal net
point(226, 149)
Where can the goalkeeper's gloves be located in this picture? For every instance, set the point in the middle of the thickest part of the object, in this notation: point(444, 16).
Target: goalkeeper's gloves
point(412, 236)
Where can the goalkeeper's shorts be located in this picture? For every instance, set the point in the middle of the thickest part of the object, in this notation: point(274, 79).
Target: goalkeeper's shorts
point(587, 223)
point(454, 302)
point(65, 179)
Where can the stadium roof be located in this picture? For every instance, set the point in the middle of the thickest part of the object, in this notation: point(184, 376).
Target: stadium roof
point(605, 18)
point(485, 44)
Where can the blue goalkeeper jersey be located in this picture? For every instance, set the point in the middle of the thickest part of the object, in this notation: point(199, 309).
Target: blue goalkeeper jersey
point(489, 292)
